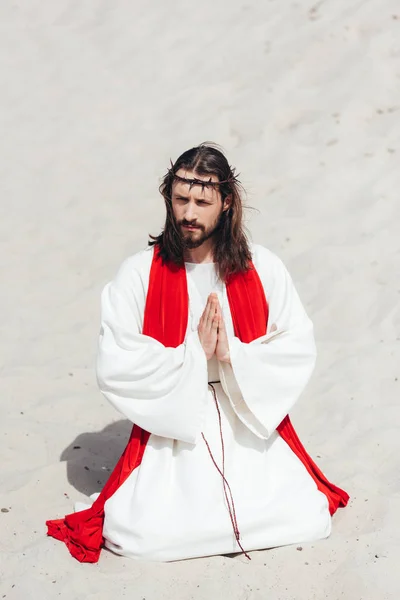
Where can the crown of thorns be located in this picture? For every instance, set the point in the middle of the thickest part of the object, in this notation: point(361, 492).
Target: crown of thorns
point(233, 178)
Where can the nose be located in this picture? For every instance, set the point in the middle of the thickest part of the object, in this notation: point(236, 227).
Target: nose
point(190, 211)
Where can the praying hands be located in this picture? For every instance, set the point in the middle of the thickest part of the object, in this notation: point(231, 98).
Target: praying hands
point(212, 332)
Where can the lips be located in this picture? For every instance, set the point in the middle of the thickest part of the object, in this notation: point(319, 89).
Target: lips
point(190, 227)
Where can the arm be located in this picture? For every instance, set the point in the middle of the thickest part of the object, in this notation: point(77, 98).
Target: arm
point(265, 378)
point(163, 390)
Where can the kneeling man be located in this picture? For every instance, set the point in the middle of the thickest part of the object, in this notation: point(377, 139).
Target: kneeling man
point(205, 347)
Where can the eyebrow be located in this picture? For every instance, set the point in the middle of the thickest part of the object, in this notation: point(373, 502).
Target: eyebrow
point(182, 197)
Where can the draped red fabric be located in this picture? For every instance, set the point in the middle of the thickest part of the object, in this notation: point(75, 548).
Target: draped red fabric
point(165, 319)
point(82, 532)
point(248, 305)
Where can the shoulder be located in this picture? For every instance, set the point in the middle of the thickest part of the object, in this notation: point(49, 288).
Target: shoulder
point(265, 261)
point(134, 270)
point(280, 291)
point(272, 271)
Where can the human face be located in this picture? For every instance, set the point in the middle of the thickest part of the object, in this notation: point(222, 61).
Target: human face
point(197, 210)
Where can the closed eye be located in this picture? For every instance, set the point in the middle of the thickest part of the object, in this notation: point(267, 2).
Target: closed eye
point(183, 199)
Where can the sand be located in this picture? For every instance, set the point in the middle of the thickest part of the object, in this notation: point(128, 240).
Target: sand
point(95, 98)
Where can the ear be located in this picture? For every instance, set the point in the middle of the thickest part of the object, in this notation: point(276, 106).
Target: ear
point(227, 203)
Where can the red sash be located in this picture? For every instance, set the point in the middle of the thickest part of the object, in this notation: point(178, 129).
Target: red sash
point(165, 319)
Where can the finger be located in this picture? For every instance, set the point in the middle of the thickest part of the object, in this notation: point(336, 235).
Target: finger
point(211, 313)
point(206, 312)
point(202, 316)
point(200, 326)
point(215, 300)
point(211, 299)
point(222, 336)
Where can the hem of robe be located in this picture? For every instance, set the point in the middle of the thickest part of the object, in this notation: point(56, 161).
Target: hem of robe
point(226, 548)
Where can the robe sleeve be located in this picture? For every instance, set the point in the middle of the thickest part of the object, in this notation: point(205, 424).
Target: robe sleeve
point(163, 390)
point(267, 376)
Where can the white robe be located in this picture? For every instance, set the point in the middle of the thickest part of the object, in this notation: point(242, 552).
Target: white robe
point(173, 505)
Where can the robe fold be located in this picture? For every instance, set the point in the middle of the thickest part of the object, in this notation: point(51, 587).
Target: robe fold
point(165, 500)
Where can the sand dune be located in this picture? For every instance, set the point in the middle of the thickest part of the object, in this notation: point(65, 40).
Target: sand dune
point(95, 98)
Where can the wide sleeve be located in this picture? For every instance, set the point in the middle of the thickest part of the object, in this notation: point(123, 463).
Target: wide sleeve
point(267, 376)
point(163, 390)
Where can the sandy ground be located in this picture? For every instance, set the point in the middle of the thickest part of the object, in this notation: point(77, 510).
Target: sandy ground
point(95, 98)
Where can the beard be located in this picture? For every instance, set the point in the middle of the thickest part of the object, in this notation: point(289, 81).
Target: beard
point(194, 239)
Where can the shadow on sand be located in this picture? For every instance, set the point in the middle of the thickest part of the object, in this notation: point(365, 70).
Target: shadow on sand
point(92, 456)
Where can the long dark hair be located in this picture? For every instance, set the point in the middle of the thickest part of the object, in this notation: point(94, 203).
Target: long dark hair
point(231, 250)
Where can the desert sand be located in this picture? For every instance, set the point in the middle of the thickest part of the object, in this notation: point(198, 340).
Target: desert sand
point(96, 97)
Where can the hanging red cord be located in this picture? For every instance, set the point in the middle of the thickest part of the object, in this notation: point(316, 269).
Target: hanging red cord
point(227, 488)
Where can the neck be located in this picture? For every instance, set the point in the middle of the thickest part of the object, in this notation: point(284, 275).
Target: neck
point(202, 254)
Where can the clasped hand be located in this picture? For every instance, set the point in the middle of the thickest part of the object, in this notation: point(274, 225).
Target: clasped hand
point(212, 332)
